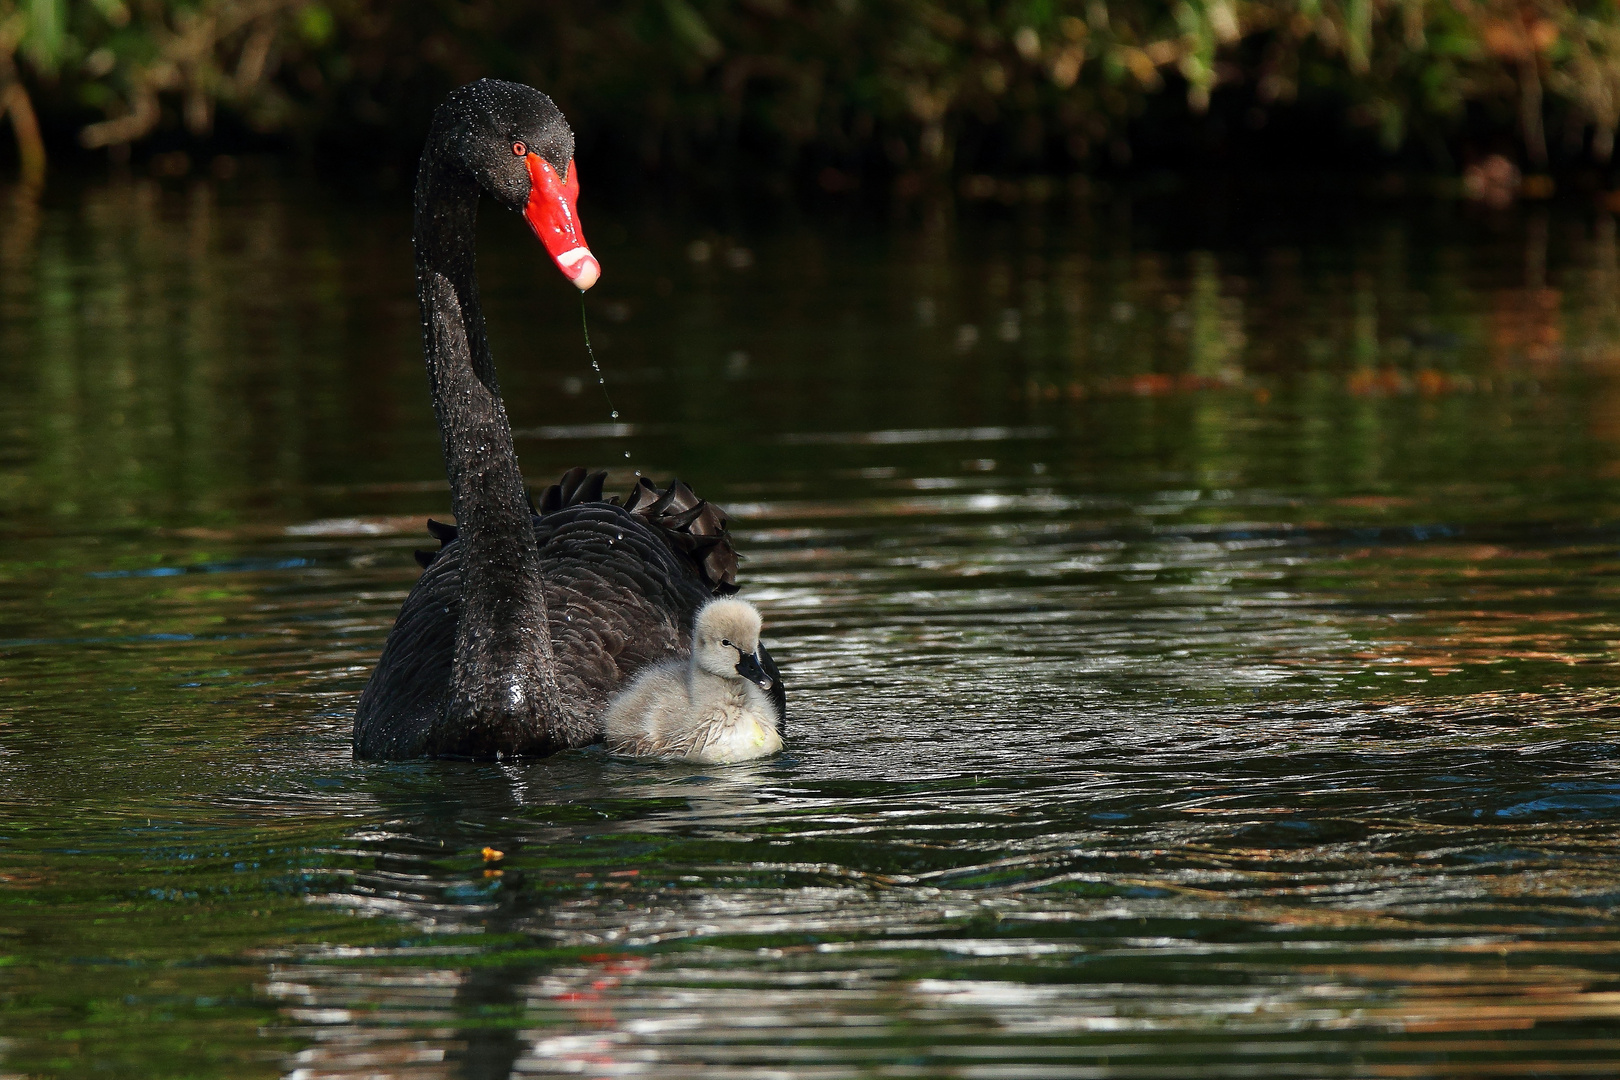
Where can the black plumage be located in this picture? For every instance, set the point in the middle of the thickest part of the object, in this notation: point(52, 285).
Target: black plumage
point(532, 612)
point(621, 591)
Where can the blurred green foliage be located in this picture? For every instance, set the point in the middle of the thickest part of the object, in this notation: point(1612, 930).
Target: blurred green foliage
point(1052, 82)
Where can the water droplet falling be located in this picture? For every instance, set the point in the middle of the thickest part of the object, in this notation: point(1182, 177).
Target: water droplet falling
point(601, 381)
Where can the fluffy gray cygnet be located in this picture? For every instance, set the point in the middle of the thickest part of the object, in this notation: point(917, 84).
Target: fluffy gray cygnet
point(712, 708)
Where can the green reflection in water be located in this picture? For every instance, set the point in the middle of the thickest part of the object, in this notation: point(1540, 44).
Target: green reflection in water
point(1203, 651)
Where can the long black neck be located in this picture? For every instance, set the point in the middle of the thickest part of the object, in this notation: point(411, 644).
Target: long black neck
point(503, 693)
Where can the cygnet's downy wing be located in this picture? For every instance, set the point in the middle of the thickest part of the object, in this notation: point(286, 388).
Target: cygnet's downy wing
point(632, 720)
point(777, 692)
point(618, 597)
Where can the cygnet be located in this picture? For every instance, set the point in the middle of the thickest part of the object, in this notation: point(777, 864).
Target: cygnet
point(711, 708)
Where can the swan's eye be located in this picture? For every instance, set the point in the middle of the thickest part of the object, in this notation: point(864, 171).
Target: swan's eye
point(519, 149)
point(726, 643)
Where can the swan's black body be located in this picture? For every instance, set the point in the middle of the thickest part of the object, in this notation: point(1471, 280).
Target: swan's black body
point(622, 584)
point(528, 619)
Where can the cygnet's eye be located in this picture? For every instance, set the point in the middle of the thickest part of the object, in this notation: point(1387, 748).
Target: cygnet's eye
point(726, 643)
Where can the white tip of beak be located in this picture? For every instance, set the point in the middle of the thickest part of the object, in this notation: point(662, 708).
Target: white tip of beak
point(581, 267)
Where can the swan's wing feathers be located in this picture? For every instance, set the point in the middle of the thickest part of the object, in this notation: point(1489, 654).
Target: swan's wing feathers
point(693, 528)
point(711, 521)
point(682, 521)
point(676, 499)
point(590, 489)
point(570, 482)
point(719, 558)
point(617, 596)
point(684, 497)
point(406, 694)
point(643, 492)
point(575, 487)
point(557, 496)
point(443, 534)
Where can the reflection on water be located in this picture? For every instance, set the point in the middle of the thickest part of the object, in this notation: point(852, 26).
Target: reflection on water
point(1202, 640)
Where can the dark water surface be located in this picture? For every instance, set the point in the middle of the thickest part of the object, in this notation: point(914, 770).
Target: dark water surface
point(1202, 638)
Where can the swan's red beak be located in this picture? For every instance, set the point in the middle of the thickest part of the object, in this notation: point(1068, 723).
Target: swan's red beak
point(554, 217)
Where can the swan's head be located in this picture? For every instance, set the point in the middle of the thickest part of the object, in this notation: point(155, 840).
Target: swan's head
point(519, 148)
point(725, 641)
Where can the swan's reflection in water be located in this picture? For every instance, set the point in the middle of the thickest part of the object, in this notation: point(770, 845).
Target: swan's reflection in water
point(380, 1018)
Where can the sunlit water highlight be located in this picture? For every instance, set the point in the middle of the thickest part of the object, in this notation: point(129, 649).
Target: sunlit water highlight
point(1201, 647)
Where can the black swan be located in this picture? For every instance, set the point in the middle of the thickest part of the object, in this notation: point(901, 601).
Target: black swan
point(529, 617)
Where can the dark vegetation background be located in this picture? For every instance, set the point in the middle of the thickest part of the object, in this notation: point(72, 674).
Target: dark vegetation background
point(840, 97)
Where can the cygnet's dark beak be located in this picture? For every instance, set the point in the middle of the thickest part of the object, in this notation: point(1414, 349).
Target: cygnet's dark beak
point(748, 667)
